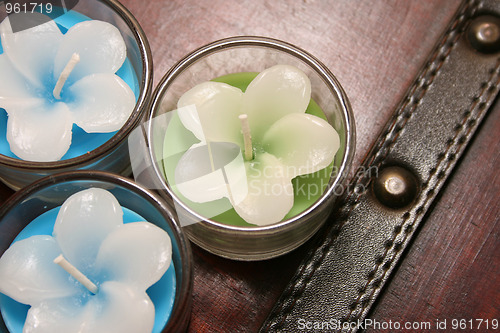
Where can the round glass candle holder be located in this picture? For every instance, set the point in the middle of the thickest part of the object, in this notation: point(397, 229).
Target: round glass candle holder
point(113, 154)
point(21, 215)
point(249, 54)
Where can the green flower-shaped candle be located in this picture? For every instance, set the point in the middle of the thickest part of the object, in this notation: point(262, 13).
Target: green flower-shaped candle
point(277, 141)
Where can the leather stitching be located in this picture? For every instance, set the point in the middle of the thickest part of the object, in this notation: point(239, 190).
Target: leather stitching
point(446, 159)
point(361, 180)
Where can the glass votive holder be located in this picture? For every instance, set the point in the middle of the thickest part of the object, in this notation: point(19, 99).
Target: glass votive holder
point(107, 151)
point(22, 215)
point(222, 59)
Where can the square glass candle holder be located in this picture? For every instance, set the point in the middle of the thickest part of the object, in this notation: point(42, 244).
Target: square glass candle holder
point(23, 211)
point(109, 154)
point(221, 59)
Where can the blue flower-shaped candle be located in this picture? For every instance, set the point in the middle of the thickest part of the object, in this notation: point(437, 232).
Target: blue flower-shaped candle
point(92, 274)
point(52, 80)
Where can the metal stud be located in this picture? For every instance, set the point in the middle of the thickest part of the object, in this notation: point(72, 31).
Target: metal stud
point(395, 187)
point(484, 34)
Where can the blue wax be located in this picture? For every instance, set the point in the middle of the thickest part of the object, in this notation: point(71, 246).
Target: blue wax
point(82, 142)
point(162, 293)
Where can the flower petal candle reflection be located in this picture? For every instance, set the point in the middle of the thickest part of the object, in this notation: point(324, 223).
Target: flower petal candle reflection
point(123, 260)
point(285, 142)
point(50, 81)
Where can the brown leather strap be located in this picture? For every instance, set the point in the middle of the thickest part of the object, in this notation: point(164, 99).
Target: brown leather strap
point(356, 252)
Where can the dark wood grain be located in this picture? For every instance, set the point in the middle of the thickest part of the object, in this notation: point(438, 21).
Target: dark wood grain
point(375, 49)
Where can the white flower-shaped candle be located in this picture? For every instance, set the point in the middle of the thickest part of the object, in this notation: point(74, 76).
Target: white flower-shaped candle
point(51, 81)
point(278, 139)
point(118, 262)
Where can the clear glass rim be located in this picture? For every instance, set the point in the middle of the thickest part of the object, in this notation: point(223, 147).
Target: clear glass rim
point(258, 41)
point(135, 117)
point(182, 300)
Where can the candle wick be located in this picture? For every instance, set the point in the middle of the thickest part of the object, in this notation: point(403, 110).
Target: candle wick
point(75, 59)
point(247, 137)
point(210, 156)
point(74, 272)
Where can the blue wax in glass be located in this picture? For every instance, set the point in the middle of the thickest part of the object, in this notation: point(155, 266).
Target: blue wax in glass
point(162, 293)
point(82, 142)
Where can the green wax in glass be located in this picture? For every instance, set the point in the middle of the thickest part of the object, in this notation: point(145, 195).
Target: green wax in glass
point(307, 188)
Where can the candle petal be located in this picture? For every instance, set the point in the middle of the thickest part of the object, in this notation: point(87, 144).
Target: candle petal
point(13, 85)
point(270, 192)
point(210, 110)
point(121, 299)
point(117, 308)
point(275, 92)
point(100, 46)
point(28, 274)
point(20, 46)
point(84, 221)
point(208, 172)
point(27, 130)
point(58, 315)
point(101, 102)
point(137, 254)
point(303, 142)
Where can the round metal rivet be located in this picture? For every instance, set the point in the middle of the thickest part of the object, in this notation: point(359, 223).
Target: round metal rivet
point(395, 187)
point(484, 34)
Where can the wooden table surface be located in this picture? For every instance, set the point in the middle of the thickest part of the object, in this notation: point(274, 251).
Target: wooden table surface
point(375, 48)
